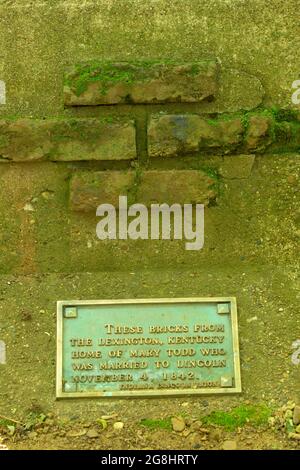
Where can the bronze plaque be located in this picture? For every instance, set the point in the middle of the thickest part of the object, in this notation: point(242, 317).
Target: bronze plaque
point(147, 347)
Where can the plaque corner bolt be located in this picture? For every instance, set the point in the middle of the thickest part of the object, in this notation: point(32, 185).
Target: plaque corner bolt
point(224, 308)
point(226, 381)
point(70, 312)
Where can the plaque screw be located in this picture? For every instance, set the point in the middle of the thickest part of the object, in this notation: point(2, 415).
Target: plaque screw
point(70, 312)
point(224, 307)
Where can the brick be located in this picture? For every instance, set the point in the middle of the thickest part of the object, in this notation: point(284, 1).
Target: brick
point(88, 189)
point(176, 186)
point(258, 136)
point(175, 135)
point(105, 83)
point(66, 140)
point(24, 139)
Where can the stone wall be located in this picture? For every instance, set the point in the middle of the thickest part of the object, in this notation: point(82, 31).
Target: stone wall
point(155, 131)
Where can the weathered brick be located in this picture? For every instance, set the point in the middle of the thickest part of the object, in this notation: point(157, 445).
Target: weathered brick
point(105, 83)
point(174, 135)
point(66, 140)
point(89, 189)
point(176, 186)
point(258, 136)
point(24, 139)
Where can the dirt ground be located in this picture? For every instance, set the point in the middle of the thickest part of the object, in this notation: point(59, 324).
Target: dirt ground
point(56, 434)
point(268, 374)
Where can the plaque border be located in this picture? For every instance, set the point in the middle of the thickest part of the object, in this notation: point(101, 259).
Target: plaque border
point(148, 393)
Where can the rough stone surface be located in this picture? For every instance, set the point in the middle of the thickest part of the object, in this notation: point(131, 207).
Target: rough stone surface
point(258, 133)
point(294, 435)
point(296, 415)
point(66, 140)
point(89, 189)
point(171, 187)
point(237, 166)
point(145, 82)
point(24, 139)
point(229, 445)
point(118, 426)
point(237, 91)
point(173, 135)
point(92, 434)
point(178, 424)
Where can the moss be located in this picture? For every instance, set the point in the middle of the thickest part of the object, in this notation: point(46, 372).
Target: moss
point(216, 185)
point(157, 423)
point(194, 70)
point(260, 112)
point(287, 132)
point(245, 122)
point(282, 131)
point(239, 416)
point(108, 120)
point(109, 73)
point(213, 122)
point(99, 72)
point(280, 114)
point(210, 171)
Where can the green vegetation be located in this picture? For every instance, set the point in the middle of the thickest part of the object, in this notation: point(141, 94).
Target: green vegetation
point(109, 73)
point(157, 423)
point(216, 185)
point(213, 122)
point(99, 72)
point(34, 419)
point(5, 423)
point(239, 416)
point(195, 69)
point(212, 172)
point(231, 420)
point(280, 114)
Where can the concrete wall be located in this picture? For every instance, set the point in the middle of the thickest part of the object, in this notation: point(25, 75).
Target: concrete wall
point(39, 38)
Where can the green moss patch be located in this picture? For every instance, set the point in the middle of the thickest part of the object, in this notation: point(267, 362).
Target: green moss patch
point(239, 416)
point(157, 423)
